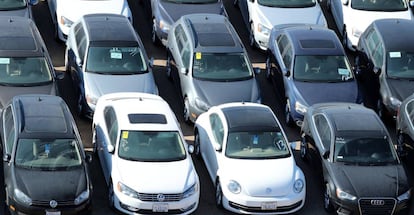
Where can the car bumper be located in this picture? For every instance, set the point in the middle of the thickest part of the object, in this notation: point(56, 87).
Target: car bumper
point(365, 207)
point(44, 209)
point(261, 40)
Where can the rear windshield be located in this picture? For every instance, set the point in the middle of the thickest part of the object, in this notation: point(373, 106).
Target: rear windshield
point(379, 5)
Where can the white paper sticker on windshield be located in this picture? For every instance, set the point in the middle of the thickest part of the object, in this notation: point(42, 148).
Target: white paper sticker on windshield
point(4, 60)
point(342, 71)
point(116, 55)
point(395, 54)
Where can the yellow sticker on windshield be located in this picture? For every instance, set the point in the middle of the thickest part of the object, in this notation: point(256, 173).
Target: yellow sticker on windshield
point(198, 56)
point(125, 135)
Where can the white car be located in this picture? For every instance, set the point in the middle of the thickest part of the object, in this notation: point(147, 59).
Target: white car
point(246, 153)
point(66, 12)
point(260, 16)
point(143, 155)
point(352, 17)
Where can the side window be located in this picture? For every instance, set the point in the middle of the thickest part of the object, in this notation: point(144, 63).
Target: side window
point(375, 48)
point(80, 40)
point(410, 111)
point(111, 124)
point(9, 129)
point(179, 34)
point(285, 50)
point(323, 129)
point(217, 128)
point(186, 55)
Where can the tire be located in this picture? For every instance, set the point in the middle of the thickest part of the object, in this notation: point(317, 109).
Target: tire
point(304, 149)
point(344, 38)
point(111, 196)
point(154, 38)
point(219, 195)
point(327, 204)
point(197, 151)
point(186, 111)
point(380, 109)
point(288, 116)
point(252, 42)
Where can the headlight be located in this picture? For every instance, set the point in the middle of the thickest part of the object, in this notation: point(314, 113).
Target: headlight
point(22, 197)
point(127, 191)
point(234, 187)
point(298, 186)
point(300, 108)
point(65, 21)
point(344, 195)
point(263, 29)
point(405, 196)
point(201, 104)
point(395, 102)
point(165, 26)
point(356, 32)
point(82, 197)
point(190, 191)
point(91, 99)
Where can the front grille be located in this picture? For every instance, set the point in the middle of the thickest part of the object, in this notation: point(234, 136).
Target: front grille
point(43, 203)
point(149, 197)
point(259, 209)
point(380, 206)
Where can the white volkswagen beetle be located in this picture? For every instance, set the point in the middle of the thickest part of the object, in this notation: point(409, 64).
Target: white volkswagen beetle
point(246, 153)
point(143, 155)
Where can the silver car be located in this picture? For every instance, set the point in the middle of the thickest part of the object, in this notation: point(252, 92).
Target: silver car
point(211, 62)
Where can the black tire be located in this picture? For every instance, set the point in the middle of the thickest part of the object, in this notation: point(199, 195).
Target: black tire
point(111, 196)
point(252, 42)
point(327, 204)
point(344, 38)
point(197, 151)
point(380, 109)
point(218, 195)
point(304, 149)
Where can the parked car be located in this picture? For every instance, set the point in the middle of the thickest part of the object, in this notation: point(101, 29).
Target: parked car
point(386, 62)
point(25, 64)
point(352, 17)
point(350, 147)
point(308, 65)
point(212, 64)
point(17, 8)
point(64, 13)
point(45, 165)
point(405, 125)
point(260, 16)
point(247, 155)
point(166, 12)
point(109, 62)
point(143, 155)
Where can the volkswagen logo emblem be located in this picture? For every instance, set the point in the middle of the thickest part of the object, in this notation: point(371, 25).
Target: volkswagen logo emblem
point(377, 202)
point(268, 190)
point(160, 197)
point(53, 203)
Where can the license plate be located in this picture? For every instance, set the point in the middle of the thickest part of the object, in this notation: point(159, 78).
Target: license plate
point(269, 206)
point(160, 208)
point(52, 212)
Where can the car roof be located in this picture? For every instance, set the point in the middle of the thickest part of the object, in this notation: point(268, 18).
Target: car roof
point(213, 33)
point(313, 40)
point(109, 27)
point(43, 116)
point(141, 111)
point(403, 40)
point(19, 37)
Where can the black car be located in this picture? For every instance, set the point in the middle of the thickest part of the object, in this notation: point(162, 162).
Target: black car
point(385, 63)
point(405, 124)
point(45, 165)
point(350, 146)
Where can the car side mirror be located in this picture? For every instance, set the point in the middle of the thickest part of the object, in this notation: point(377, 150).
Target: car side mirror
point(377, 70)
point(326, 154)
point(190, 149)
point(33, 2)
point(110, 148)
point(151, 62)
point(344, 2)
point(257, 70)
point(6, 157)
point(88, 158)
point(217, 147)
point(184, 70)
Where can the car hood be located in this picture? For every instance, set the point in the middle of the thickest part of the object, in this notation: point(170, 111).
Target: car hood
point(355, 178)
point(99, 84)
point(400, 89)
point(175, 11)
point(319, 92)
point(8, 92)
point(215, 93)
point(269, 171)
point(277, 16)
point(75, 9)
point(156, 177)
point(47, 185)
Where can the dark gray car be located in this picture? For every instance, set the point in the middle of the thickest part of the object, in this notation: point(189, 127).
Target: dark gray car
point(17, 8)
point(405, 124)
point(25, 64)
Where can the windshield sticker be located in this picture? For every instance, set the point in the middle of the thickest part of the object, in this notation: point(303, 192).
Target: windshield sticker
point(47, 148)
point(255, 139)
point(342, 71)
point(340, 140)
point(116, 55)
point(198, 56)
point(395, 54)
point(4, 60)
point(125, 134)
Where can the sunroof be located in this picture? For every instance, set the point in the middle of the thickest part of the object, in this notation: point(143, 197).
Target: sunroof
point(17, 43)
point(147, 118)
point(215, 34)
point(307, 44)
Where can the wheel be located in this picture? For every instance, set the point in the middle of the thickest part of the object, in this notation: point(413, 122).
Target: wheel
point(186, 110)
point(111, 196)
point(303, 149)
point(344, 38)
point(327, 204)
point(219, 195)
point(252, 42)
point(154, 37)
point(197, 151)
point(268, 68)
point(288, 116)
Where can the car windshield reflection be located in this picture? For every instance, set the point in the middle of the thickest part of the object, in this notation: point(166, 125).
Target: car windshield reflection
point(379, 5)
point(47, 154)
point(256, 145)
point(12, 5)
point(153, 146)
point(400, 65)
point(322, 68)
point(24, 71)
point(116, 60)
point(221, 67)
point(288, 4)
point(364, 151)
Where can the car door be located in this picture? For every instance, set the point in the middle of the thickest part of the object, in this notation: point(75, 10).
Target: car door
point(109, 138)
point(244, 10)
point(323, 141)
point(285, 59)
point(8, 140)
point(76, 57)
point(213, 151)
point(337, 8)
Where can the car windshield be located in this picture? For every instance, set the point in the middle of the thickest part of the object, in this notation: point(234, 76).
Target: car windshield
point(191, 1)
point(322, 68)
point(12, 4)
point(47, 154)
point(352, 149)
point(256, 145)
point(400, 65)
point(379, 5)
point(116, 60)
point(287, 4)
point(221, 67)
point(152, 146)
point(24, 71)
